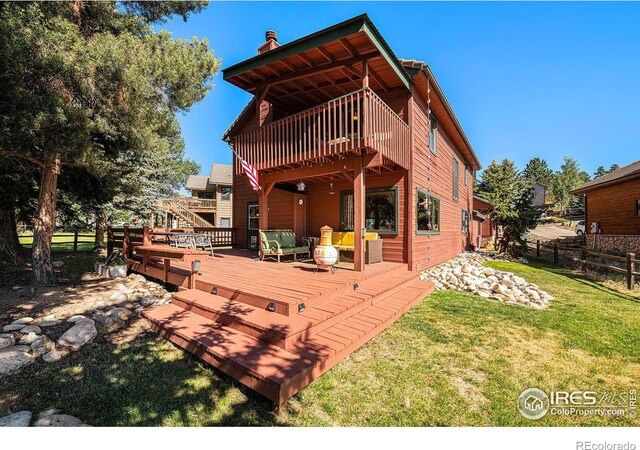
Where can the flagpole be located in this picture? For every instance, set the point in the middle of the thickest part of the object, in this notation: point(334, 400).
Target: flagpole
point(243, 160)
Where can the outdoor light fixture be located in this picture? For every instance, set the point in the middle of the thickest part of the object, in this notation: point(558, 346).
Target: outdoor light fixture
point(301, 307)
point(195, 266)
point(214, 291)
point(271, 307)
point(331, 188)
point(355, 117)
point(301, 186)
point(355, 286)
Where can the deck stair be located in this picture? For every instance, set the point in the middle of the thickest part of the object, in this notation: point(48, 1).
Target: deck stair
point(279, 353)
point(180, 208)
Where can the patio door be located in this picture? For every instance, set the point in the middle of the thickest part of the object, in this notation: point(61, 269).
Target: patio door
point(253, 221)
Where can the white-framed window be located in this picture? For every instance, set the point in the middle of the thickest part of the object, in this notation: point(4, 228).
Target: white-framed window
point(225, 222)
point(456, 179)
point(433, 131)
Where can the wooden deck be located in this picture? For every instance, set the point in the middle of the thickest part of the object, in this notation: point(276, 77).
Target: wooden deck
point(277, 327)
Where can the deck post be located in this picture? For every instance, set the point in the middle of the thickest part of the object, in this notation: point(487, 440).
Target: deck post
point(109, 240)
point(146, 235)
point(358, 212)
point(126, 242)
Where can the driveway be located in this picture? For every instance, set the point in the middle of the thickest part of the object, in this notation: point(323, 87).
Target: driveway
point(551, 231)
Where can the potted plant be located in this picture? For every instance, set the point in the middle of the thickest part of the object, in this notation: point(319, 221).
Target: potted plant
point(117, 267)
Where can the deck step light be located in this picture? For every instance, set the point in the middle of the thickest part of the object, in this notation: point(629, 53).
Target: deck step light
point(301, 307)
point(355, 286)
point(214, 291)
point(271, 306)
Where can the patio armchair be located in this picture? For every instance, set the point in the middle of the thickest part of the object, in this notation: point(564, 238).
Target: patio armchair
point(204, 241)
point(278, 243)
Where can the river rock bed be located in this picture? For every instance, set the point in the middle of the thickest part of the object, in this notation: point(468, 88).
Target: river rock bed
point(467, 273)
point(52, 337)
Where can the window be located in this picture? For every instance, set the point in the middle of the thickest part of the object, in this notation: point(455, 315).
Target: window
point(381, 210)
point(206, 194)
point(433, 130)
point(225, 193)
point(225, 222)
point(428, 213)
point(637, 208)
point(466, 175)
point(456, 180)
point(465, 221)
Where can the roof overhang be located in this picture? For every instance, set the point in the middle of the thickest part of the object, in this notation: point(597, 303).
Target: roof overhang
point(590, 186)
point(322, 65)
point(424, 79)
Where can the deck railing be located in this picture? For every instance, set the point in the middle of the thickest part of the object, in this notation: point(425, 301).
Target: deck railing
point(346, 124)
point(128, 238)
point(181, 207)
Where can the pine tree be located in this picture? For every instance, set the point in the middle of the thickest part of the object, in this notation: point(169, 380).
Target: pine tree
point(512, 201)
point(537, 170)
point(89, 82)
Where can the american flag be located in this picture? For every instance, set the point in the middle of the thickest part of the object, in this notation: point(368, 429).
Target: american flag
point(251, 172)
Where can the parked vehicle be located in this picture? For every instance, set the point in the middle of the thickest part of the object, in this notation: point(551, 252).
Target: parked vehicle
point(580, 227)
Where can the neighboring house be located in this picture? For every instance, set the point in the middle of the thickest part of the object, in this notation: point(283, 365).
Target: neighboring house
point(612, 204)
point(338, 111)
point(539, 193)
point(484, 229)
point(210, 204)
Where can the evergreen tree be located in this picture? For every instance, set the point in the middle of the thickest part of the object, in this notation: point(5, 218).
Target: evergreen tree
point(567, 178)
point(537, 170)
point(90, 83)
point(511, 198)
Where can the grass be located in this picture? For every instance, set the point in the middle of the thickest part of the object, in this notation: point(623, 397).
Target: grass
point(454, 359)
point(63, 242)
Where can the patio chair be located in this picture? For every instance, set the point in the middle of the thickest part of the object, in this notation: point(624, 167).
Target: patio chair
point(204, 241)
point(182, 241)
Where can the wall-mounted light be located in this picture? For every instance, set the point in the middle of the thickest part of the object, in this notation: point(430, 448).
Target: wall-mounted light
point(301, 186)
point(331, 191)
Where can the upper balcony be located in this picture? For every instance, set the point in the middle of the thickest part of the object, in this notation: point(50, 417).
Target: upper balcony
point(338, 128)
point(319, 98)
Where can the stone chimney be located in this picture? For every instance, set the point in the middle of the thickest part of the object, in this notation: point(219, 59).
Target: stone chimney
point(271, 42)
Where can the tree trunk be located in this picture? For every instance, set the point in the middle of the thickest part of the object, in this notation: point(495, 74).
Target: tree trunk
point(9, 243)
point(45, 220)
point(101, 222)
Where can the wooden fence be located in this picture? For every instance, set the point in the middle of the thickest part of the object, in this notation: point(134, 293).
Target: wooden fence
point(563, 253)
point(76, 237)
point(127, 238)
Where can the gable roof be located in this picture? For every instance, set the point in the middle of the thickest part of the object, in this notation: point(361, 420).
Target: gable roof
point(625, 173)
point(198, 182)
point(221, 174)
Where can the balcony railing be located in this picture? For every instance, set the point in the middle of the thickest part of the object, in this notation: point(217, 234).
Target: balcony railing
point(197, 203)
point(341, 126)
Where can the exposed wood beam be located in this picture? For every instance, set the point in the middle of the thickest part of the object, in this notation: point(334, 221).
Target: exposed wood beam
point(375, 76)
point(346, 174)
point(305, 59)
point(268, 188)
point(313, 70)
point(326, 54)
point(368, 161)
point(348, 47)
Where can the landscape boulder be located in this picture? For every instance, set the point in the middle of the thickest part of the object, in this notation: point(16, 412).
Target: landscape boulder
point(78, 335)
point(13, 359)
point(6, 340)
point(19, 419)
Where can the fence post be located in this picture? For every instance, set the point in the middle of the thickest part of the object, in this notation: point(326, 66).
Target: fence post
point(75, 240)
point(583, 259)
point(538, 248)
point(630, 267)
point(556, 258)
point(125, 242)
point(109, 240)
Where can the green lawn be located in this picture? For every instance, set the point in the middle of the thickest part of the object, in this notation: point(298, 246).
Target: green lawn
point(63, 242)
point(454, 359)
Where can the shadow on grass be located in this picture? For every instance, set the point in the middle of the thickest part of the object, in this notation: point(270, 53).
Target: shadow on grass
point(145, 382)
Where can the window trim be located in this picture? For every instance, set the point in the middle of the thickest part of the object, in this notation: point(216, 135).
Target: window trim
point(638, 208)
point(395, 190)
point(466, 175)
point(455, 175)
point(433, 130)
point(429, 232)
point(462, 230)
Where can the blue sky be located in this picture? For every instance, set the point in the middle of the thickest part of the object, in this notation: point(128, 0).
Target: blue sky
point(525, 79)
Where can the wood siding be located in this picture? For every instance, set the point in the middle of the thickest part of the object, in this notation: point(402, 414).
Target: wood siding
point(224, 208)
point(614, 207)
point(435, 174)
point(324, 209)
